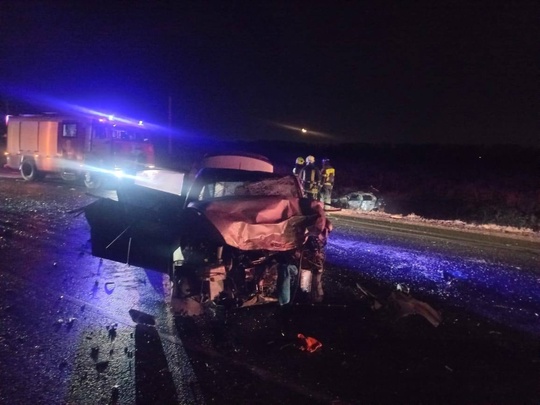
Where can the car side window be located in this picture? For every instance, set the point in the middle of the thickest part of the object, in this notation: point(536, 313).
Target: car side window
point(219, 189)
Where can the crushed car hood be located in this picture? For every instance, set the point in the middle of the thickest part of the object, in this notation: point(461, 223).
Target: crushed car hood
point(268, 223)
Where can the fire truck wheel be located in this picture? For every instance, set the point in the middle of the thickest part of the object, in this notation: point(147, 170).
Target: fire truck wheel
point(29, 171)
point(92, 180)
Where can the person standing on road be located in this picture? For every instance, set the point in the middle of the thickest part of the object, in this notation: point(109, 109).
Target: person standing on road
point(310, 176)
point(327, 175)
point(298, 166)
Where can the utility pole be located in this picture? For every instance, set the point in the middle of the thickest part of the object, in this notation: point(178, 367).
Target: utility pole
point(170, 126)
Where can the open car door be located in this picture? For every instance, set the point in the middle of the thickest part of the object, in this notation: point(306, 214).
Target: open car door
point(143, 236)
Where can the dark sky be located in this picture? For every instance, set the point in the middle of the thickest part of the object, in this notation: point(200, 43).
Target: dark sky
point(362, 71)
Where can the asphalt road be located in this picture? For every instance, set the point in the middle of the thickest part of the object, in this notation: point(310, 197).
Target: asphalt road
point(71, 323)
point(79, 330)
point(495, 275)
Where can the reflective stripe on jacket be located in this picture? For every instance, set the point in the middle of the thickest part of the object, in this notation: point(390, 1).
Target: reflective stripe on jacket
point(328, 174)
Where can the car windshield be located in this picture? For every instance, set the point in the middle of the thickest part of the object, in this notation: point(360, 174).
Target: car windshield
point(282, 186)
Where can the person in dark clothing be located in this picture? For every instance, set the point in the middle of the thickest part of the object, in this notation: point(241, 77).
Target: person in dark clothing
point(298, 166)
point(310, 176)
point(327, 181)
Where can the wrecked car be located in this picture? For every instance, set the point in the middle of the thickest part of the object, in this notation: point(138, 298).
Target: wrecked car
point(360, 201)
point(225, 236)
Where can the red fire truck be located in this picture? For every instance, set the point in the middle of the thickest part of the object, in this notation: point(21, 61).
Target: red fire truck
point(91, 148)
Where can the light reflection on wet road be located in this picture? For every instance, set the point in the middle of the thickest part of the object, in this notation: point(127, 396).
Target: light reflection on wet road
point(65, 314)
point(492, 286)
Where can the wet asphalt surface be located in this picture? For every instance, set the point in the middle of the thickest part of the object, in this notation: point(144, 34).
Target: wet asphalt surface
point(76, 329)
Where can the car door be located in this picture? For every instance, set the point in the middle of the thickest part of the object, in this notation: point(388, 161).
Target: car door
point(135, 235)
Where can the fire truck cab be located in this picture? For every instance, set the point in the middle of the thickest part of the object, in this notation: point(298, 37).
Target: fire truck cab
point(76, 147)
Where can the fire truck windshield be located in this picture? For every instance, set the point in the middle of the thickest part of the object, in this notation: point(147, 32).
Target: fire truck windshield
point(103, 131)
point(129, 135)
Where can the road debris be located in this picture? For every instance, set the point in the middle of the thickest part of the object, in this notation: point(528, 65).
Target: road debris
point(308, 343)
point(401, 304)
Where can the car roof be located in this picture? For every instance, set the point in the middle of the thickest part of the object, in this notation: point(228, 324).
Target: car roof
point(212, 174)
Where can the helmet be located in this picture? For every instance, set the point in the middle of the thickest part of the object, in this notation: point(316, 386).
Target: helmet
point(325, 161)
point(310, 159)
point(299, 160)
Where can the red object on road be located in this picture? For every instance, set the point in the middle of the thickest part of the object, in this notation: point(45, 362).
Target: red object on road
point(309, 344)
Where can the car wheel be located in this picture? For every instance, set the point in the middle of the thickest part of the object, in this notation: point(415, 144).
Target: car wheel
point(182, 288)
point(29, 171)
point(184, 300)
point(92, 180)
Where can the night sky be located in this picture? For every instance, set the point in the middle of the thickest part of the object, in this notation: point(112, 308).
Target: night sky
point(368, 71)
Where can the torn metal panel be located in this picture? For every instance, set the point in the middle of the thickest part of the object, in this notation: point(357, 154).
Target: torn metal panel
point(406, 305)
point(401, 304)
point(272, 223)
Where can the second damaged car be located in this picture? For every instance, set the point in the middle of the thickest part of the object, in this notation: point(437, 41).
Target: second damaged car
point(234, 234)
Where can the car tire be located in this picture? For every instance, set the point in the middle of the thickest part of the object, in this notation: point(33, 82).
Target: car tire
point(29, 171)
point(182, 287)
point(92, 180)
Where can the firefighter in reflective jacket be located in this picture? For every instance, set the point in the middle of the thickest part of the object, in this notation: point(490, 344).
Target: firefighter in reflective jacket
point(327, 174)
point(298, 166)
point(310, 176)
